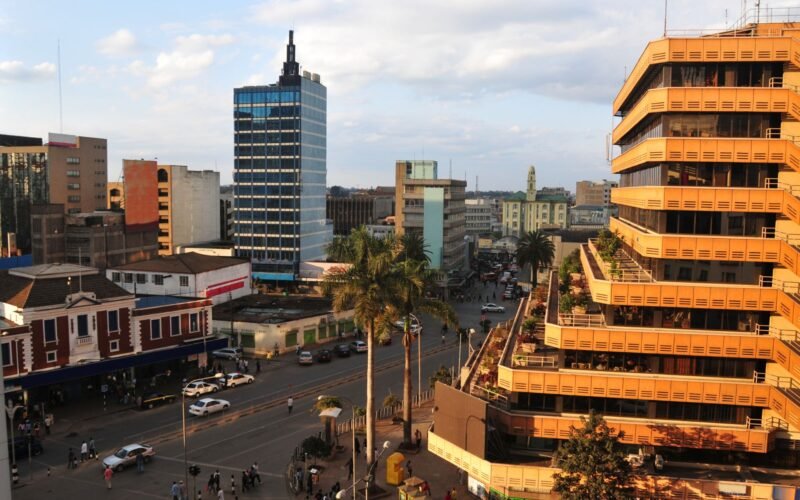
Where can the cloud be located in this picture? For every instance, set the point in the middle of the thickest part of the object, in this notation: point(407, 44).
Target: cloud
point(120, 43)
point(16, 71)
point(190, 57)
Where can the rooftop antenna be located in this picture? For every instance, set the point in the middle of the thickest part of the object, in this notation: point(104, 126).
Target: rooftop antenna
point(476, 186)
point(665, 18)
point(60, 101)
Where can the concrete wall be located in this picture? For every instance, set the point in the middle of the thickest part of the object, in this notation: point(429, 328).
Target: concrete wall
point(433, 228)
point(195, 206)
point(141, 194)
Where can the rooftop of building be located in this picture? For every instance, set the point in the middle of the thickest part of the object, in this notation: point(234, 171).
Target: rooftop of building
point(183, 263)
point(210, 244)
point(552, 197)
point(271, 309)
point(146, 301)
point(589, 207)
point(50, 284)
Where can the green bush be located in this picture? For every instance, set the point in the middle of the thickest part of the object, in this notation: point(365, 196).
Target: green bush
point(315, 446)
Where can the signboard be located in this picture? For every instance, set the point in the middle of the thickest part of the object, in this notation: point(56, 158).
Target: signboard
point(476, 488)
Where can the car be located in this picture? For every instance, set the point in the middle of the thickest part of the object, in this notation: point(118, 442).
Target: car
point(305, 358)
point(635, 460)
point(658, 462)
point(236, 378)
point(157, 399)
point(342, 350)
point(492, 308)
point(324, 356)
point(400, 325)
point(207, 406)
point(228, 353)
point(508, 294)
point(358, 346)
point(126, 456)
point(21, 447)
point(196, 389)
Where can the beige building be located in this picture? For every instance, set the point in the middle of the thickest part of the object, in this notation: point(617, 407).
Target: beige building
point(115, 195)
point(594, 193)
point(535, 210)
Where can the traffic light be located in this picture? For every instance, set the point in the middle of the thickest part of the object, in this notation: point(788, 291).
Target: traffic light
point(194, 470)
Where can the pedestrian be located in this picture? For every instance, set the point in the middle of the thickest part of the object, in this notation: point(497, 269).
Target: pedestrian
point(182, 490)
point(297, 350)
point(349, 466)
point(254, 473)
point(48, 421)
point(246, 366)
point(453, 493)
point(220, 495)
point(216, 480)
point(140, 462)
point(175, 491)
point(233, 485)
point(358, 447)
point(84, 451)
point(258, 366)
point(92, 449)
point(71, 459)
point(199, 494)
point(107, 476)
point(418, 437)
point(36, 430)
point(408, 468)
point(447, 496)
point(244, 481)
point(290, 403)
point(210, 485)
point(310, 484)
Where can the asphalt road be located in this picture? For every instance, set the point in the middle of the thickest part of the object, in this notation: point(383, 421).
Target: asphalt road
point(267, 435)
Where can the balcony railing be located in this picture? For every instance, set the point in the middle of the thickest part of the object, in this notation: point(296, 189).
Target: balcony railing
point(85, 340)
point(582, 320)
point(787, 334)
point(626, 270)
point(534, 361)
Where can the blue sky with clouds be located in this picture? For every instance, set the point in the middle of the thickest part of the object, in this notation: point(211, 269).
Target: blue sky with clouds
point(491, 86)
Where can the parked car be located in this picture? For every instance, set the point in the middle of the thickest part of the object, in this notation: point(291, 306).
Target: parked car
point(658, 462)
point(235, 378)
point(358, 346)
point(126, 456)
point(196, 389)
point(228, 353)
point(324, 356)
point(493, 308)
point(508, 294)
point(342, 350)
point(157, 399)
point(305, 358)
point(206, 406)
point(21, 447)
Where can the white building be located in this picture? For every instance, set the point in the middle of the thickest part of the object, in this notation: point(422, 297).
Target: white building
point(479, 216)
point(186, 275)
point(194, 196)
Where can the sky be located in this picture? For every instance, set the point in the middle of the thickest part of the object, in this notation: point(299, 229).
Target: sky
point(486, 87)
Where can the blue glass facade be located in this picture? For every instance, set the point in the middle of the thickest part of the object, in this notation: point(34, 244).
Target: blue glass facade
point(280, 173)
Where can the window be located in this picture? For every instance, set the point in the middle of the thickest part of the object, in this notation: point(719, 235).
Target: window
point(175, 326)
point(113, 346)
point(158, 279)
point(128, 277)
point(74, 199)
point(49, 331)
point(52, 356)
point(5, 348)
point(73, 161)
point(141, 278)
point(74, 186)
point(115, 277)
point(194, 326)
point(155, 329)
point(83, 325)
point(73, 173)
point(184, 281)
point(113, 321)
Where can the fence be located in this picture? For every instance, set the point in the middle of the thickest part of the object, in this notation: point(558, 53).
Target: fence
point(382, 413)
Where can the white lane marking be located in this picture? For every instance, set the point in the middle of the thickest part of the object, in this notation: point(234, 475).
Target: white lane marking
point(217, 466)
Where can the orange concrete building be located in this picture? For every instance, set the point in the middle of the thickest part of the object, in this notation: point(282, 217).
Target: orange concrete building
point(686, 332)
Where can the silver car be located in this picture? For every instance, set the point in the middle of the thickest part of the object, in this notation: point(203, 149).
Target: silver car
point(126, 456)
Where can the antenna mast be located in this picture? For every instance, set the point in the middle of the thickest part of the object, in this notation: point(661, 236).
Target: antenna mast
point(60, 101)
point(665, 18)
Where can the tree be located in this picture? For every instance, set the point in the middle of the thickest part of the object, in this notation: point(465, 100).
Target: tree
point(413, 247)
point(367, 287)
point(535, 249)
point(592, 463)
point(413, 277)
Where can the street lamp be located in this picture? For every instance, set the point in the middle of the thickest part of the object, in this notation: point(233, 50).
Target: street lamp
point(11, 411)
point(372, 467)
point(183, 423)
point(353, 432)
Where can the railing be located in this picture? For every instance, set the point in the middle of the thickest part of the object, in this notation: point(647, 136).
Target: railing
point(638, 275)
point(85, 340)
point(772, 233)
point(494, 397)
point(775, 133)
point(788, 287)
point(771, 423)
point(774, 183)
point(582, 320)
point(534, 361)
point(787, 334)
point(385, 412)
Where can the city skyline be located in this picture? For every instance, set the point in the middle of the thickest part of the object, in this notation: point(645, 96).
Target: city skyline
point(489, 89)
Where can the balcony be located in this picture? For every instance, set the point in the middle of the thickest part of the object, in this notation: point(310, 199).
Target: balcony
point(727, 199)
point(84, 340)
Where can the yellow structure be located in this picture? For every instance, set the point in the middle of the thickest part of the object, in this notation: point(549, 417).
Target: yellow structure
point(688, 338)
point(395, 474)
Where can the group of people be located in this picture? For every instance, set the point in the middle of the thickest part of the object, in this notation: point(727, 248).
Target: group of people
point(87, 452)
point(249, 477)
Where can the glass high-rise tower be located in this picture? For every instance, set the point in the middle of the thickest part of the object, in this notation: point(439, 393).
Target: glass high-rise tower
point(280, 172)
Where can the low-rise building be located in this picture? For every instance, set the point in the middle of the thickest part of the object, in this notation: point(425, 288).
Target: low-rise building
point(186, 275)
point(263, 323)
point(594, 192)
point(358, 209)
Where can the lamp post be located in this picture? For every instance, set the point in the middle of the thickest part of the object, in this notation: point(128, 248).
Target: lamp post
point(352, 431)
point(11, 411)
point(372, 467)
point(183, 424)
point(414, 320)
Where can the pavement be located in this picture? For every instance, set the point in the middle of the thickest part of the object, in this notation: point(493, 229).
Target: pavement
point(440, 475)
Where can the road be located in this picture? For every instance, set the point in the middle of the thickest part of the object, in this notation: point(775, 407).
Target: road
point(267, 435)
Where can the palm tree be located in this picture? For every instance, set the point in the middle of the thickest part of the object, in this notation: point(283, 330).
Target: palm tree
point(413, 247)
point(413, 278)
point(535, 249)
point(366, 286)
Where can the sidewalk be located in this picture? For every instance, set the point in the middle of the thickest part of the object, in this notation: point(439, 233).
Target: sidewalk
point(425, 465)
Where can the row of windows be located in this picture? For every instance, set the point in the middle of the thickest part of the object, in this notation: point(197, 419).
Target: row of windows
point(270, 228)
point(266, 163)
point(694, 319)
point(175, 327)
point(258, 124)
point(279, 242)
point(262, 189)
point(312, 114)
point(73, 173)
point(248, 96)
point(700, 223)
point(266, 137)
point(266, 150)
point(265, 203)
point(702, 175)
point(266, 112)
point(142, 278)
point(260, 177)
point(669, 365)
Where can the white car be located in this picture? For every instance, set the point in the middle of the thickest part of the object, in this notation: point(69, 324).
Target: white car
point(234, 379)
point(126, 456)
point(196, 389)
point(492, 308)
point(358, 346)
point(228, 353)
point(206, 406)
point(305, 358)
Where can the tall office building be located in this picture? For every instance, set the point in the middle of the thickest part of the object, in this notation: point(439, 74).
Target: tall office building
point(688, 343)
point(280, 172)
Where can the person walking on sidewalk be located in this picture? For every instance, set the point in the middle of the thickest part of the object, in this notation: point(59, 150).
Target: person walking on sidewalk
point(408, 468)
point(349, 465)
point(290, 403)
point(107, 476)
point(71, 459)
point(175, 491)
point(418, 438)
point(358, 447)
point(84, 451)
point(92, 449)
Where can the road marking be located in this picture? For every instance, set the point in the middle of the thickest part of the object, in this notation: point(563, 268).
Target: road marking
point(216, 466)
